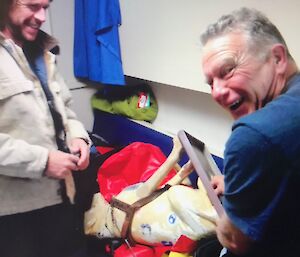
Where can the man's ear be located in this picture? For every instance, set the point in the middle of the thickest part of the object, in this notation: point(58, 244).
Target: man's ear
point(280, 57)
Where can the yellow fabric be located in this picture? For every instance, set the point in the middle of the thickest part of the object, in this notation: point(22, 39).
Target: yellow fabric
point(175, 254)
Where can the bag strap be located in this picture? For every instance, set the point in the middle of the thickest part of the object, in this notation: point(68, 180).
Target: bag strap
point(130, 210)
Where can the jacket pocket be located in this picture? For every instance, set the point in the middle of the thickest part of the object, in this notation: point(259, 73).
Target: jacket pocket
point(10, 88)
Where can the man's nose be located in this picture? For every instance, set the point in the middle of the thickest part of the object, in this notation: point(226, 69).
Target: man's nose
point(40, 14)
point(219, 90)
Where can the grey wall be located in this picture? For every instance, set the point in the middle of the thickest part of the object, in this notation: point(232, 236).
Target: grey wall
point(61, 25)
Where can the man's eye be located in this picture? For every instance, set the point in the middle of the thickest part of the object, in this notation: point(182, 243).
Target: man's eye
point(227, 70)
point(210, 83)
point(34, 7)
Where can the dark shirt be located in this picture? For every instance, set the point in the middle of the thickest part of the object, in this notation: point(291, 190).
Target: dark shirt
point(262, 175)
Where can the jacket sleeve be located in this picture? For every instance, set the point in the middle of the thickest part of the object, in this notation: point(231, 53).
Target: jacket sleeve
point(20, 159)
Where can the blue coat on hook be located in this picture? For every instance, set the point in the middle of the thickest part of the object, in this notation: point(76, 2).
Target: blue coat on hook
point(97, 55)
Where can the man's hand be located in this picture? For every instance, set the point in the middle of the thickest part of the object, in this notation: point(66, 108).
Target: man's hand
point(217, 183)
point(60, 164)
point(231, 237)
point(79, 147)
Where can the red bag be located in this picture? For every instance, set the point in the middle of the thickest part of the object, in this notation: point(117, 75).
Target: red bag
point(140, 251)
point(133, 164)
point(183, 245)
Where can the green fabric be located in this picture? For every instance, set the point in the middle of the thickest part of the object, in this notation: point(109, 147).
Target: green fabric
point(127, 107)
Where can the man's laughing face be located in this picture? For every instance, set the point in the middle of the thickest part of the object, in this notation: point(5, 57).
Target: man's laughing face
point(25, 19)
point(240, 81)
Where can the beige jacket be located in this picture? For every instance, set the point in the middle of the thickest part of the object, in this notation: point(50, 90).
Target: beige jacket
point(26, 129)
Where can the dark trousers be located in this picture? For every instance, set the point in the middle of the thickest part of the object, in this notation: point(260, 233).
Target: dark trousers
point(55, 231)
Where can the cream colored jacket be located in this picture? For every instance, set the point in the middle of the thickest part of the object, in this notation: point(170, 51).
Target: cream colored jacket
point(26, 129)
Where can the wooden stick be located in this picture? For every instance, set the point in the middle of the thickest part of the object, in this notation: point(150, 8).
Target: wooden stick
point(70, 187)
point(152, 183)
point(181, 174)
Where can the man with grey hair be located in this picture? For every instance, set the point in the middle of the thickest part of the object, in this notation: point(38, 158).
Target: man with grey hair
point(253, 76)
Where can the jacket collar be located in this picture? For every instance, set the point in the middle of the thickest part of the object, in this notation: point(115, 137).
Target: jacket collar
point(43, 40)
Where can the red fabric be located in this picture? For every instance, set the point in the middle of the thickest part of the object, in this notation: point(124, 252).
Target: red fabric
point(184, 245)
point(104, 149)
point(160, 250)
point(133, 164)
point(140, 251)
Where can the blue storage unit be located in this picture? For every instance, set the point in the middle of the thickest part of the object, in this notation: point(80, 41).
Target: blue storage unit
point(120, 131)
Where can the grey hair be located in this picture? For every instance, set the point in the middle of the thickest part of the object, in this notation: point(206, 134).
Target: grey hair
point(260, 32)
